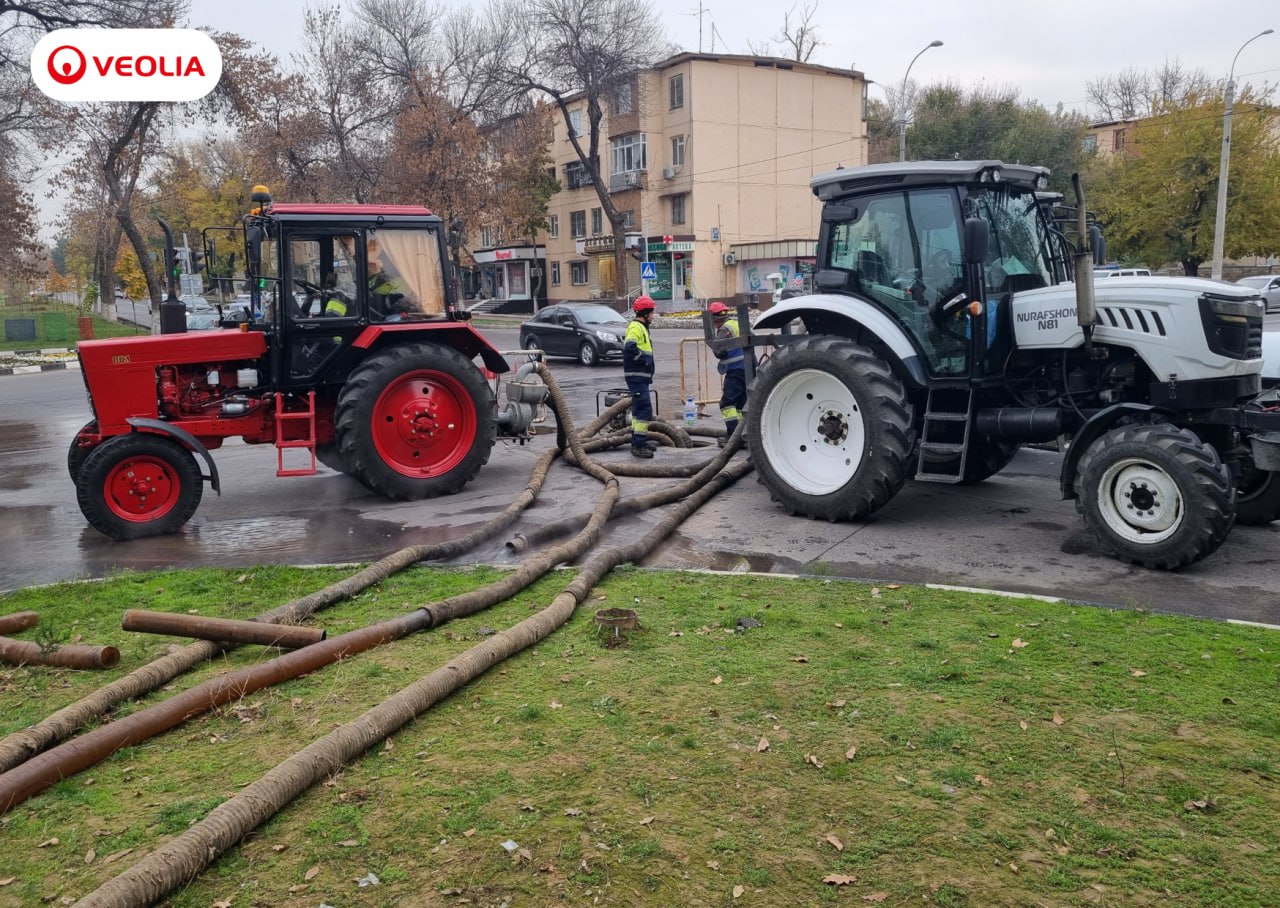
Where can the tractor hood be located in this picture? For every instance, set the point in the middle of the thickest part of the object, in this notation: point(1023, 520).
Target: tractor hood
point(1162, 318)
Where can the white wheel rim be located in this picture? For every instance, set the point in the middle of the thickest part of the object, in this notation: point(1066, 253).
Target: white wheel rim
point(1140, 502)
point(813, 432)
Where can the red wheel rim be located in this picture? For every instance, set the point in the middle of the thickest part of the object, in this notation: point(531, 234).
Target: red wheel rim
point(142, 489)
point(424, 423)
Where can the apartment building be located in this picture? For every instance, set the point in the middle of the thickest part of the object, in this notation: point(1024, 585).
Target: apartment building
point(710, 156)
point(1110, 137)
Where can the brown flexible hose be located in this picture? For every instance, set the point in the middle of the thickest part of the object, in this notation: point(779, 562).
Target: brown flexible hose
point(18, 621)
point(183, 858)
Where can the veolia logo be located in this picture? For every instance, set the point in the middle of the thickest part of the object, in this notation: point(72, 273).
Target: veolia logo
point(126, 64)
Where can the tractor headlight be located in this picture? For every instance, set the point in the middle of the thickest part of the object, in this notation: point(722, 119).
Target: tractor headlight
point(1232, 326)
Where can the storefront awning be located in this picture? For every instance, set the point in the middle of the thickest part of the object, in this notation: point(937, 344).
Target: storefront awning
point(777, 249)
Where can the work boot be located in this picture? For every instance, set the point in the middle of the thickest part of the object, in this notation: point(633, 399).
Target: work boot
point(642, 451)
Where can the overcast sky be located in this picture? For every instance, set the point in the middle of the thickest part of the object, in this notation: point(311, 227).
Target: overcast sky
point(1048, 51)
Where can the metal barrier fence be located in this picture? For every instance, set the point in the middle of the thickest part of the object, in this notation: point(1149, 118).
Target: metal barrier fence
point(698, 376)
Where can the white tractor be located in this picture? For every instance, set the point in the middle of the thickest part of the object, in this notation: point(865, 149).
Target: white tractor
point(947, 330)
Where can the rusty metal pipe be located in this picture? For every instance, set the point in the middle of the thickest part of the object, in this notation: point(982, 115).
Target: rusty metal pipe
point(23, 652)
point(221, 630)
point(18, 621)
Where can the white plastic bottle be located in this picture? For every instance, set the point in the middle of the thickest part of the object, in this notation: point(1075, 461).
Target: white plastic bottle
point(690, 411)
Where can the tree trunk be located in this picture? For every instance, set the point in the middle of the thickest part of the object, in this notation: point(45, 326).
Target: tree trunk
point(621, 289)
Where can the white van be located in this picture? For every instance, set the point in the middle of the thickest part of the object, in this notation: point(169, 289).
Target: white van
point(1121, 272)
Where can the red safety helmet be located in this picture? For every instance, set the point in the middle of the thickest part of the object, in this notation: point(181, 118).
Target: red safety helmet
point(644, 304)
point(718, 309)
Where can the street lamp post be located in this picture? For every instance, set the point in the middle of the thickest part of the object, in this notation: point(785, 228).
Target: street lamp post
point(1220, 221)
point(902, 104)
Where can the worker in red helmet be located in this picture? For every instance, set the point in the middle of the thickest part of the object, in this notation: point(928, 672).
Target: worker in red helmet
point(732, 366)
point(637, 369)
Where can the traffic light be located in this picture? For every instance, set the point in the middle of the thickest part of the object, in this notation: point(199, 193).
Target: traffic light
point(197, 261)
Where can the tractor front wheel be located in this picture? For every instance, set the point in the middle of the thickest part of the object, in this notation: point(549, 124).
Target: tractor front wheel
point(415, 421)
point(830, 429)
point(1155, 495)
point(139, 485)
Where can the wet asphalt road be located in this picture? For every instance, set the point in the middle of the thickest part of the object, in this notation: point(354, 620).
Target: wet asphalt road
point(1010, 533)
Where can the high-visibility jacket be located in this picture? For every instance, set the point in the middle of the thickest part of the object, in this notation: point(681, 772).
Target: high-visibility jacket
point(729, 359)
point(637, 353)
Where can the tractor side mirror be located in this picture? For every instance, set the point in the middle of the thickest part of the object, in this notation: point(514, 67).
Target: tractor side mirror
point(976, 239)
point(253, 250)
point(835, 213)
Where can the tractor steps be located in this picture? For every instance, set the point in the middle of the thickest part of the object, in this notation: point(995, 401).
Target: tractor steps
point(944, 435)
point(308, 418)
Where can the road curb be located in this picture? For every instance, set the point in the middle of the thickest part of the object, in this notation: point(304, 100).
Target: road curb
point(28, 368)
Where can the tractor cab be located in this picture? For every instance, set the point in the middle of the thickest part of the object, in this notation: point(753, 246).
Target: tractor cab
point(940, 247)
point(321, 275)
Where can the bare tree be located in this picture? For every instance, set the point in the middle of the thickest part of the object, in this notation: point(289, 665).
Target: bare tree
point(797, 39)
point(1134, 93)
point(571, 51)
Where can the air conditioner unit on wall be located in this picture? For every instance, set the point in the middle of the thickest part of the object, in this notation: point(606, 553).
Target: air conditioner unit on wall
point(669, 173)
point(731, 258)
point(631, 179)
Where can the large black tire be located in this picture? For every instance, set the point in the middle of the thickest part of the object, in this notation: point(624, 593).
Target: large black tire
point(77, 455)
point(331, 456)
point(415, 421)
point(1257, 494)
point(1155, 495)
point(830, 429)
point(985, 459)
point(139, 485)
point(588, 355)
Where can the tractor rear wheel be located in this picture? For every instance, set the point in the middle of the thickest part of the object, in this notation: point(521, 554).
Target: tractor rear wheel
point(830, 433)
point(1155, 495)
point(139, 485)
point(76, 455)
point(415, 421)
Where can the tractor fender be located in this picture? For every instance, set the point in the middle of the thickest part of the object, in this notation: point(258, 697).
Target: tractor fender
point(854, 313)
point(182, 437)
point(1100, 422)
point(458, 335)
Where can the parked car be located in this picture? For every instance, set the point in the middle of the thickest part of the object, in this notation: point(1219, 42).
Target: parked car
point(588, 332)
point(1268, 285)
point(1121, 272)
point(202, 321)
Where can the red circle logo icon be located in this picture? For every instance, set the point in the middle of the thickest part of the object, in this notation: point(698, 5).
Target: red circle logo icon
point(68, 75)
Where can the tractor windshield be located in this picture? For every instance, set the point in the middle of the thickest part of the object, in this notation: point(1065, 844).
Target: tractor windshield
point(1017, 255)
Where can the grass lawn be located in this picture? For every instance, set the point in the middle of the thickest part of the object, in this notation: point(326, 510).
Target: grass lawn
point(56, 325)
point(865, 745)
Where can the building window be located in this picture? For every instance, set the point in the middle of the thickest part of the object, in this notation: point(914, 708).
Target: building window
point(578, 273)
point(555, 274)
point(486, 236)
point(629, 153)
point(1119, 139)
point(677, 151)
point(675, 88)
point(622, 101)
point(553, 226)
point(575, 122)
point(1089, 145)
point(678, 212)
point(629, 218)
point(578, 224)
point(597, 221)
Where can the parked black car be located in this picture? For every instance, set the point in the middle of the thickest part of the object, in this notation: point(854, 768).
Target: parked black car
point(588, 332)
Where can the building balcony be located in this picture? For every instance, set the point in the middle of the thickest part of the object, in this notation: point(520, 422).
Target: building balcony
point(631, 179)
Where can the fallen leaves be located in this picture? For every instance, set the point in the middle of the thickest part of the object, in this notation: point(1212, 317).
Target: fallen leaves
point(851, 752)
point(812, 760)
point(834, 842)
point(312, 873)
point(47, 842)
point(1022, 723)
point(799, 658)
point(572, 812)
point(647, 821)
point(875, 897)
point(1137, 673)
point(839, 879)
point(982, 780)
point(1058, 720)
point(1019, 643)
point(717, 679)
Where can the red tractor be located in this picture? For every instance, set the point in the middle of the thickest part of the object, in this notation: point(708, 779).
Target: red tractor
point(352, 351)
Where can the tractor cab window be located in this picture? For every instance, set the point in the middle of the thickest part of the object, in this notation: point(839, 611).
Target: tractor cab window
point(406, 278)
point(320, 299)
point(903, 252)
point(1017, 256)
